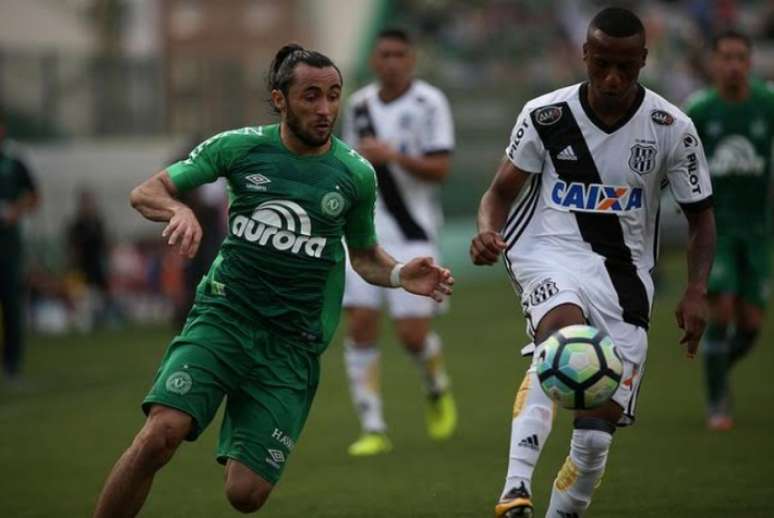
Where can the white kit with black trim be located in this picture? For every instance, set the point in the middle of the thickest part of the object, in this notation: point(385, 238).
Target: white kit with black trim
point(584, 229)
point(417, 123)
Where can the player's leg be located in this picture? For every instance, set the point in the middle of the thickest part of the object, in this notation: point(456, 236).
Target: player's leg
point(748, 326)
point(533, 414)
point(130, 480)
point(362, 360)
point(264, 418)
point(754, 293)
point(426, 349)
point(186, 394)
point(723, 289)
point(593, 429)
point(246, 490)
point(11, 304)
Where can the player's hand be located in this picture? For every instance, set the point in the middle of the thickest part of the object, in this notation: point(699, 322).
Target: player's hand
point(184, 230)
point(376, 151)
point(421, 277)
point(485, 248)
point(691, 317)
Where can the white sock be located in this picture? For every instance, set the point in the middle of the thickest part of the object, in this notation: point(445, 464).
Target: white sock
point(581, 473)
point(431, 364)
point(533, 416)
point(362, 364)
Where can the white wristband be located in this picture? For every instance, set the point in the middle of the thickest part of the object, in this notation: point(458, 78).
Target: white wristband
point(395, 275)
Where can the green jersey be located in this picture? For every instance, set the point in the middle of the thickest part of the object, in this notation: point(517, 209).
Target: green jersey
point(15, 182)
point(282, 263)
point(737, 138)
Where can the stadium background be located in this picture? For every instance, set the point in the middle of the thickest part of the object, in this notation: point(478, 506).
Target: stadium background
point(99, 94)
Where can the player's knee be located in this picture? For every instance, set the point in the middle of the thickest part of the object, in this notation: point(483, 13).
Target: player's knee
point(591, 441)
point(412, 339)
point(246, 496)
point(159, 438)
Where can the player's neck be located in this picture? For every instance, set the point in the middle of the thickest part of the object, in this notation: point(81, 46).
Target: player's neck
point(734, 94)
point(298, 146)
point(608, 113)
point(388, 93)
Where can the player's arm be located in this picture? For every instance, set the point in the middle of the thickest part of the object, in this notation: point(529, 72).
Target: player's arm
point(493, 211)
point(155, 199)
point(692, 311)
point(690, 183)
point(432, 167)
point(419, 276)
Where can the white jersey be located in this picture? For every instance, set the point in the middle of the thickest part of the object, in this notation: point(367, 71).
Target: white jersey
point(417, 123)
point(596, 190)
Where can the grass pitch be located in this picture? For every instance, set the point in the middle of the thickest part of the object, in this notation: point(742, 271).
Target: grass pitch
point(61, 434)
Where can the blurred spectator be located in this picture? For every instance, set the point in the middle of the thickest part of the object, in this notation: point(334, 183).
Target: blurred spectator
point(89, 252)
point(18, 197)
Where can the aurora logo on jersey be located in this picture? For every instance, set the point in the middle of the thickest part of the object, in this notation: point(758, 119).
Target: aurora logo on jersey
point(596, 197)
point(283, 224)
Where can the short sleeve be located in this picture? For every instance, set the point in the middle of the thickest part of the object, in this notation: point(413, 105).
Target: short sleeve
point(688, 172)
point(359, 230)
point(348, 133)
point(438, 126)
point(526, 150)
point(205, 164)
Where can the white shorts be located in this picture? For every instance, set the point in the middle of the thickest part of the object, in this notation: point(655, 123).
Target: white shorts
point(402, 304)
point(546, 286)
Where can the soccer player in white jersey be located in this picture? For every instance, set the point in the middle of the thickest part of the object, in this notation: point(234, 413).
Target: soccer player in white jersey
point(403, 126)
point(574, 209)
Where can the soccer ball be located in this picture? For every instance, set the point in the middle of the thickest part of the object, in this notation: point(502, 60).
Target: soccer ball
point(579, 367)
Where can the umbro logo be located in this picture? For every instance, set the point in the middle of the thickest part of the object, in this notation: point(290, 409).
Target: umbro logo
point(257, 182)
point(277, 455)
point(530, 442)
point(567, 153)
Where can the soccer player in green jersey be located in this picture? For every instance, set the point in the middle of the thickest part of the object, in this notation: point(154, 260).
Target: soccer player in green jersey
point(271, 301)
point(735, 121)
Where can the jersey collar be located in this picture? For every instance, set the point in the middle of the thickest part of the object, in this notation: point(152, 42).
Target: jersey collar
point(598, 122)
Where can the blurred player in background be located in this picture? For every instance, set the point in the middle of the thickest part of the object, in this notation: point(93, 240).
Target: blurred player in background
point(271, 302)
point(403, 126)
point(18, 197)
point(735, 121)
point(575, 210)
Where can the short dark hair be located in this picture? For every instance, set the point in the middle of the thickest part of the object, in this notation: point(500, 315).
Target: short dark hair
point(282, 68)
point(394, 33)
point(731, 34)
point(618, 23)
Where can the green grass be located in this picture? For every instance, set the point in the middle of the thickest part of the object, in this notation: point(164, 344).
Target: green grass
point(60, 436)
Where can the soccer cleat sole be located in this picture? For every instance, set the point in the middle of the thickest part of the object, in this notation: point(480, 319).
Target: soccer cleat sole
point(517, 508)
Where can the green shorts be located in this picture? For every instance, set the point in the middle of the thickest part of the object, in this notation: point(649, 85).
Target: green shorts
point(268, 382)
point(741, 268)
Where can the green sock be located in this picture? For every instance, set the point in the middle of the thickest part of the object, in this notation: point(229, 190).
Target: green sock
point(741, 344)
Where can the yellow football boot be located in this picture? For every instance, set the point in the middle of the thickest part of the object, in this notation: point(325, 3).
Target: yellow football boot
point(370, 444)
point(441, 416)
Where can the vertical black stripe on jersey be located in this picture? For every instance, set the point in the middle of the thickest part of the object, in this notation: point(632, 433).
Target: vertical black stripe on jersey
point(602, 231)
point(388, 188)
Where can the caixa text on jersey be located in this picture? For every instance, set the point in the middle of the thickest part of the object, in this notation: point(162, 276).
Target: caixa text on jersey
point(595, 197)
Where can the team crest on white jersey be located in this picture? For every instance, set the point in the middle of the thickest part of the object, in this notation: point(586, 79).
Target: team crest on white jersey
point(642, 159)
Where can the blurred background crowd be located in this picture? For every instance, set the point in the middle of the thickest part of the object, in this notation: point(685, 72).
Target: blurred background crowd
point(96, 95)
